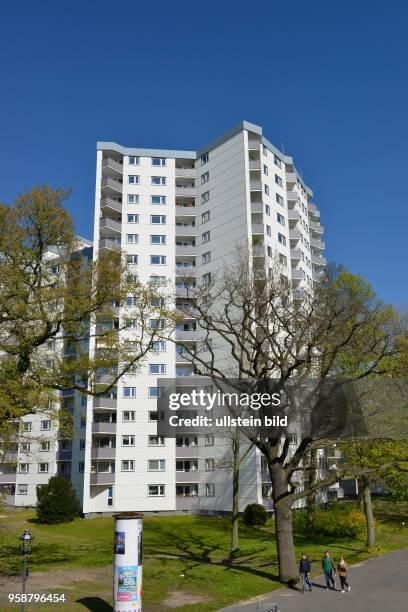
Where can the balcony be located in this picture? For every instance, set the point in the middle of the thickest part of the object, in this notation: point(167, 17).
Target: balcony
point(296, 254)
point(111, 167)
point(255, 185)
point(294, 234)
point(317, 244)
point(107, 226)
point(312, 208)
point(257, 207)
point(318, 277)
point(297, 275)
point(185, 172)
point(186, 191)
point(316, 227)
point(291, 177)
point(185, 292)
point(109, 244)
point(186, 250)
point(185, 210)
point(109, 205)
point(186, 230)
point(102, 478)
point(258, 250)
point(190, 477)
point(318, 261)
point(105, 402)
point(103, 427)
point(7, 478)
point(253, 144)
point(103, 452)
point(188, 503)
point(64, 455)
point(255, 164)
point(258, 228)
point(187, 452)
point(293, 215)
point(191, 335)
point(293, 196)
point(186, 271)
point(111, 186)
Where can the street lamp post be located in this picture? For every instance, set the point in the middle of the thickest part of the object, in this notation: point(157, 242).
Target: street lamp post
point(26, 542)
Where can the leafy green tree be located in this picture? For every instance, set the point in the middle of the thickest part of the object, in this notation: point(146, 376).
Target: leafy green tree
point(57, 502)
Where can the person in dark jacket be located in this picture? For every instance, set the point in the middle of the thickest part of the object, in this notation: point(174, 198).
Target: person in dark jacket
point(328, 568)
point(304, 569)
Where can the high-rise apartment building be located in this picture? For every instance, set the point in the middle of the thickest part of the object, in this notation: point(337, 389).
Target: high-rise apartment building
point(178, 216)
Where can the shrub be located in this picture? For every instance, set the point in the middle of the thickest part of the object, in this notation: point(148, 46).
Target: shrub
point(255, 515)
point(57, 502)
point(340, 519)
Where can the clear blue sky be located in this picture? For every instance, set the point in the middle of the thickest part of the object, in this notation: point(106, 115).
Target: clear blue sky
point(326, 79)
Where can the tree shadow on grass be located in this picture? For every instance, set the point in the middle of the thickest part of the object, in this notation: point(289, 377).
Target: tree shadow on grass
point(95, 604)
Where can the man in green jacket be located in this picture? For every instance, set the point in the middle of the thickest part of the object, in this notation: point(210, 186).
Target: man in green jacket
point(328, 568)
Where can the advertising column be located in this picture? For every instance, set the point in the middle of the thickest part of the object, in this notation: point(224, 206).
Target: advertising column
point(127, 578)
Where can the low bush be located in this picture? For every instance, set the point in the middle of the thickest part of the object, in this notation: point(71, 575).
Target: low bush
point(340, 519)
point(255, 515)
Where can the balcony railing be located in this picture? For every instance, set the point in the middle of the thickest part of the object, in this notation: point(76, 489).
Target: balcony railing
point(111, 184)
point(107, 243)
point(255, 185)
point(188, 172)
point(101, 478)
point(296, 254)
point(258, 228)
point(254, 164)
point(317, 244)
point(111, 164)
point(185, 190)
point(103, 452)
point(111, 204)
point(316, 227)
point(186, 230)
point(186, 271)
point(318, 261)
point(110, 224)
point(103, 427)
point(257, 207)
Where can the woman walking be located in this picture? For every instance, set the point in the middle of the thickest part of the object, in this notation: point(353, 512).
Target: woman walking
point(343, 571)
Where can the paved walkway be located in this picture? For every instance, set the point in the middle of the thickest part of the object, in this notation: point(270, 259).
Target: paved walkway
point(377, 585)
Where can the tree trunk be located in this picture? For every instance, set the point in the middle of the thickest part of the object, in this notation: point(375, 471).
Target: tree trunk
point(283, 525)
point(368, 508)
point(360, 489)
point(235, 495)
point(311, 497)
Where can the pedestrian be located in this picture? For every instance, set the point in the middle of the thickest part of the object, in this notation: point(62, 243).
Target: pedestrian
point(328, 568)
point(343, 571)
point(304, 569)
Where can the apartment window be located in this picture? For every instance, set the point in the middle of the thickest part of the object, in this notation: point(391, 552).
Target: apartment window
point(132, 259)
point(27, 425)
point(157, 199)
point(44, 446)
point(265, 150)
point(128, 440)
point(158, 219)
point(128, 465)
point(43, 468)
point(205, 197)
point(158, 180)
point(82, 444)
point(25, 447)
point(46, 425)
point(129, 392)
point(267, 209)
point(205, 178)
point(205, 237)
point(156, 465)
point(155, 490)
point(131, 301)
point(156, 323)
point(205, 216)
point(209, 465)
point(269, 251)
point(158, 260)
point(133, 179)
point(134, 161)
point(207, 278)
point(267, 490)
point(22, 489)
point(157, 239)
point(133, 199)
point(156, 392)
point(110, 496)
point(155, 416)
point(206, 257)
point(277, 161)
point(157, 280)
point(278, 180)
point(158, 161)
point(265, 169)
point(156, 441)
point(283, 260)
point(204, 158)
point(279, 199)
point(210, 489)
point(209, 439)
point(132, 238)
point(128, 416)
point(157, 368)
point(159, 346)
point(282, 239)
point(24, 468)
point(280, 218)
point(266, 189)
point(268, 230)
point(133, 218)
point(81, 467)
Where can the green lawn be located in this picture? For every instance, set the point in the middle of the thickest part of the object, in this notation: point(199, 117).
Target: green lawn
point(182, 554)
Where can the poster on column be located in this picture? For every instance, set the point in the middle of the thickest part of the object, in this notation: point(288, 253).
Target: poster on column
point(129, 583)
